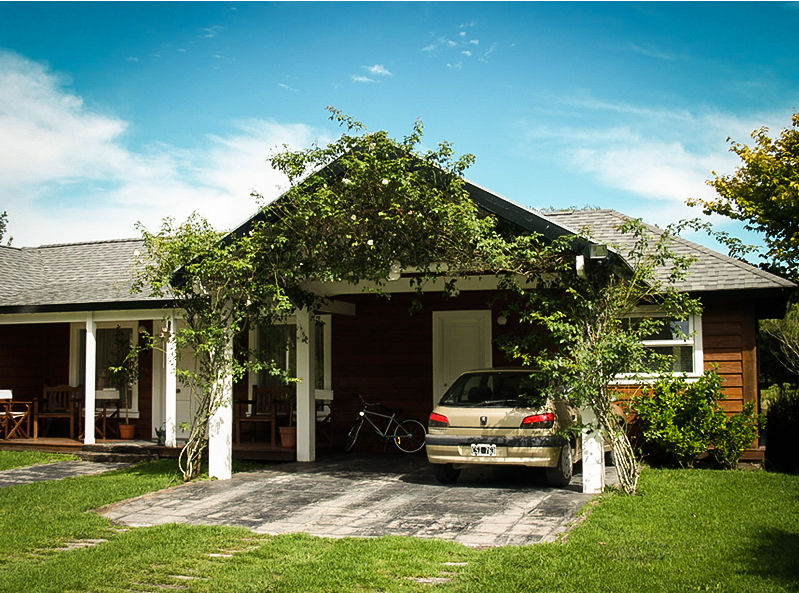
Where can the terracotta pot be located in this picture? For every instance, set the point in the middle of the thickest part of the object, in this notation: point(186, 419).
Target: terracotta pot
point(288, 436)
point(127, 431)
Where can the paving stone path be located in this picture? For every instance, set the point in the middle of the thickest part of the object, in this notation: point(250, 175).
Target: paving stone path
point(54, 471)
point(368, 497)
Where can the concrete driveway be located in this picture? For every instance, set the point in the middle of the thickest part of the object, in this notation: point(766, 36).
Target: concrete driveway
point(369, 496)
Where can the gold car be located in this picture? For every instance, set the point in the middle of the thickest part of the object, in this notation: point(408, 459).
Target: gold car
point(484, 418)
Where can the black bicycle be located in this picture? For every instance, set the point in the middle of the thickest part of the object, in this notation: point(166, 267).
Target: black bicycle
point(408, 434)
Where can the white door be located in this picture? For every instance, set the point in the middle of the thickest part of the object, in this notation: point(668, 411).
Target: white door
point(461, 342)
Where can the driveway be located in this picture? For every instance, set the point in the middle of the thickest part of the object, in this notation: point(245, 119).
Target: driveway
point(369, 496)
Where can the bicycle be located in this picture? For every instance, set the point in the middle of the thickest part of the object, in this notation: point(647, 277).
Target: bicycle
point(408, 434)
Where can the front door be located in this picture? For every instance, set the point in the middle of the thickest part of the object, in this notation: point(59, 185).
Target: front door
point(461, 342)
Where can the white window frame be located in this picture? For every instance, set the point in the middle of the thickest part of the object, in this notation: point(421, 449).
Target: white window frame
point(76, 364)
point(326, 393)
point(693, 339)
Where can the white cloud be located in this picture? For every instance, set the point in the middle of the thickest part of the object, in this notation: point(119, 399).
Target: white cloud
point(66, 173)
point(466, 53)
point(210, 32)
point(378, 70)
point(359, 78)
point(661, 156)
point(650, 52)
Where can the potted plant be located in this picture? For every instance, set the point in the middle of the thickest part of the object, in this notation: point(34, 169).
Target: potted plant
point(123, 372)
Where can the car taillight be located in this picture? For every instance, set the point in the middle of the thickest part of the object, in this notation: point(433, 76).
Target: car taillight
point(539, 421)
point(438, 420)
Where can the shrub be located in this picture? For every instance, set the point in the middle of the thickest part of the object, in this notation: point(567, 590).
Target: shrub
point(733, 435)
point(783, 422)
point(679, 419)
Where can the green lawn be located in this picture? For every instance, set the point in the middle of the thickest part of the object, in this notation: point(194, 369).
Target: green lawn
point(12, 459)
point(692, 530)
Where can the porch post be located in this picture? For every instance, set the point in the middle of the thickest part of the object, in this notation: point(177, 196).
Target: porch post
point(306, 388)
point(89, 387)
point(170, 383)
point(220, 428)
point(593, 455)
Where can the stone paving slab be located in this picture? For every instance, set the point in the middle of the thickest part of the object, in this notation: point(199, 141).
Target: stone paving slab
point(54, 471)
point(370, 497)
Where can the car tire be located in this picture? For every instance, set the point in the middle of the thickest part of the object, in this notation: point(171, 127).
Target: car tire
point(445, 473)
point(561, 474)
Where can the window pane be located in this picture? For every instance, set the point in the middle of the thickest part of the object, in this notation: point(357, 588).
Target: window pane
point(682, 357)
point(674, 330)
point(278, 344)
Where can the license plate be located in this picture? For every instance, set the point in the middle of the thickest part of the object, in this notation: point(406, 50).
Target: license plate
point(481, 450)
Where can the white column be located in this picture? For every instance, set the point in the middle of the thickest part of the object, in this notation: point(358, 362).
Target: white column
point(220, 428)
point(170, 383)
point(89, 387)
point(306, 388)
point(593, 454)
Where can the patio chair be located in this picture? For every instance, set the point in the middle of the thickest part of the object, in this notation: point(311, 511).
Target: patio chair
point(261, 409)
point(61, 402)
point(17, 418)
point(106, 419)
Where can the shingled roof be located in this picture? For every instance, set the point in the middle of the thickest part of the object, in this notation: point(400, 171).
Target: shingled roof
point(711, 271)
point(75, 275)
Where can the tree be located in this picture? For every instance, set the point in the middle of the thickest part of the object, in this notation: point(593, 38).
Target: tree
point(579, 332)
point(4, 225)
point(764, 193)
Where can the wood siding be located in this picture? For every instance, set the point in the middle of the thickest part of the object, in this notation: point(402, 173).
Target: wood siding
point(386, 354)
point(32, 356)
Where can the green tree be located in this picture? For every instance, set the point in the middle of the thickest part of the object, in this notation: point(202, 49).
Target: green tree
point(577, 329)
point(4, 225)
point(764, 193)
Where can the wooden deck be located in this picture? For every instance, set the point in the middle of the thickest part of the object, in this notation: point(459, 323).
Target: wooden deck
point(251, 451)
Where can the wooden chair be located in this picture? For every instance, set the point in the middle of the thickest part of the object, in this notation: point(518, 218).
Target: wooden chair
point(62, 402)
point(261, 409)
point(107, 414)
point(16, 421)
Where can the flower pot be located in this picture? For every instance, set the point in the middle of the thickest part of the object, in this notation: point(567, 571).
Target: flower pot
point(288, 436)
point(127, 431)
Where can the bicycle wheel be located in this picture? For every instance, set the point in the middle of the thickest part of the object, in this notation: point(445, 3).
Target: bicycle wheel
point(352, 435)
point(409, 435)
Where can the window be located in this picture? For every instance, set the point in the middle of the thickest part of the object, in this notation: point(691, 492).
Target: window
point(679, 340)
point(112, 345)
point(278, 343)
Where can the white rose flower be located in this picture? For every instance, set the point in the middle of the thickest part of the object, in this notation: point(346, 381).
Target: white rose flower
point(384, 182)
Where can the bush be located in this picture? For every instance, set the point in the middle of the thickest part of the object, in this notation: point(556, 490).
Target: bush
point(734, 435)
point(783, 422)
point(680, 421)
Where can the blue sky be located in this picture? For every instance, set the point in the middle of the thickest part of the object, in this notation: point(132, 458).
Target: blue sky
point(113, 113)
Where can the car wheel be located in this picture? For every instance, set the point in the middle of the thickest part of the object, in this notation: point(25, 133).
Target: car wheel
point(446, 473)
point(561, 474)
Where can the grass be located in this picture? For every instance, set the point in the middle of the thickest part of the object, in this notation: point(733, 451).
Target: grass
point(12, 459)
point(691, 530)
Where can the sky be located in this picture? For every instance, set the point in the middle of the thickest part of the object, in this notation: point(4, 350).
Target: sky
point(118, 113)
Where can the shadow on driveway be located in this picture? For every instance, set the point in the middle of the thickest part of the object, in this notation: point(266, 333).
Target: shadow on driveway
point(370, 496)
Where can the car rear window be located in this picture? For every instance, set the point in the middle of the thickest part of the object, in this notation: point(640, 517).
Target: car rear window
point(500, 389)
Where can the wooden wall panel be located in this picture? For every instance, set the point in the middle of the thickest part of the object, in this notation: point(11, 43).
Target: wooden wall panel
point(386, 354)
point(32, 356)
point(145, 422)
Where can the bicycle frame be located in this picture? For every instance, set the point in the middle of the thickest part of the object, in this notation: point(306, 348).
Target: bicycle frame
point(384, 434)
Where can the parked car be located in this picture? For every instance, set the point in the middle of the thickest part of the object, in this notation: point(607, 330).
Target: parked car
point(485, 418)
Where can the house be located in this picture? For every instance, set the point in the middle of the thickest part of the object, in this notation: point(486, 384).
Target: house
point(61, 307)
